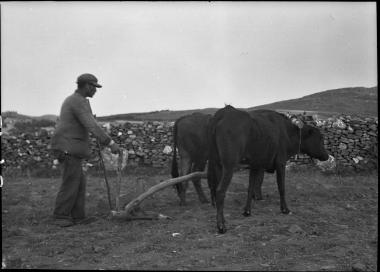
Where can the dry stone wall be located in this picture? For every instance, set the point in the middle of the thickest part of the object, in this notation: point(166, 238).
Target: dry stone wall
point(351, 140)
point(147, 143)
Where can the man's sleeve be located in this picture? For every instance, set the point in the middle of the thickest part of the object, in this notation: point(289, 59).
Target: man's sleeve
point(84, 114)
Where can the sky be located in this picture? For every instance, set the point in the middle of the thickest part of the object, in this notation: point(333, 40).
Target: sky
point(182, 55)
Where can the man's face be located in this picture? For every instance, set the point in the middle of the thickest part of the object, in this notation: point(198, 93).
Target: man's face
point(91, 90)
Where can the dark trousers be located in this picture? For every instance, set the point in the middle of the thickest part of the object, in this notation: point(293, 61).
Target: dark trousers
point(70, 201)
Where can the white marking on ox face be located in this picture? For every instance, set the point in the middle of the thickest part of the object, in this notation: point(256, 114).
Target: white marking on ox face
point(326, 165)
point(167, 150)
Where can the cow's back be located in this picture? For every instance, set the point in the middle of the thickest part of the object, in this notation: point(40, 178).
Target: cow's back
point(231, 133)
point(272, 139)
point(192, 135)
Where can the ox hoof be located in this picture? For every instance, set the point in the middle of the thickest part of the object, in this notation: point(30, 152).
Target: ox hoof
point(285, 210)
point(222, 230)
point(204, 200)
point(258, 197)
point(247, 213)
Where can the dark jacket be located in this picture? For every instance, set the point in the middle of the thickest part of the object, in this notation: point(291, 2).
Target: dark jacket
point(75, 122)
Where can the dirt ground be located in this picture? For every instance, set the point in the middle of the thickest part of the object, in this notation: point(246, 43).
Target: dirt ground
point(333, 226)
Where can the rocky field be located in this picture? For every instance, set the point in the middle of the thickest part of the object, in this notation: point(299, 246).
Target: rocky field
point(333, 226)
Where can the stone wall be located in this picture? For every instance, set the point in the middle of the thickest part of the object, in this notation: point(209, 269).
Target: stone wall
point(147, 143)
point(351, 140)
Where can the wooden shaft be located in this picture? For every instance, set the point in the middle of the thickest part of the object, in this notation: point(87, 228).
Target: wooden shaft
point(158, 187)
point(105, 176)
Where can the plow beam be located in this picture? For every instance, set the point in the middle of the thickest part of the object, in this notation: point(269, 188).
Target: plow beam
point(132, 205)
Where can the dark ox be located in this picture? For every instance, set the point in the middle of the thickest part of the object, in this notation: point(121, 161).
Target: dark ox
point(190, 136)
point(264, 140)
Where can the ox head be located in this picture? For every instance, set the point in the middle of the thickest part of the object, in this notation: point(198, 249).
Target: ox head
point(312, 143)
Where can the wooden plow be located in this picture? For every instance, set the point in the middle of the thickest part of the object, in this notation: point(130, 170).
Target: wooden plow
point(131, 209)
point(128, 212)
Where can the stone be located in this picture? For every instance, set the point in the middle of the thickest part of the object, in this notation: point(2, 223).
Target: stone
point(342, 146)
point(373, 127)
point(295, 229)
point(359, 267)
point(97, 249)
point(328, 267)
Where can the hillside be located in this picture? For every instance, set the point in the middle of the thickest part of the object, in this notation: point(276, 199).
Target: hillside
point(50, 117)
point(359, 100)
point(21, 117)
point(355, 101)
point(15, 116)
point(156, 115)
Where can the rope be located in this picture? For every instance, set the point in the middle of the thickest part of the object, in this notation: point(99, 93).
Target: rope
point(299, 145)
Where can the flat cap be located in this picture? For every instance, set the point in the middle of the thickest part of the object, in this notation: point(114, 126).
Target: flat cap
point(89, 78)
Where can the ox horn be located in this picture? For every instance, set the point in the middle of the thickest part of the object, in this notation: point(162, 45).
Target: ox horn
point(297, 122)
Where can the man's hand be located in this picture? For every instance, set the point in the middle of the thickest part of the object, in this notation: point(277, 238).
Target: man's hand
point(115, 148)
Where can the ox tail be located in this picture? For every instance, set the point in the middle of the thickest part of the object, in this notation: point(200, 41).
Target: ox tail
point(174, 170)
point(212, 178)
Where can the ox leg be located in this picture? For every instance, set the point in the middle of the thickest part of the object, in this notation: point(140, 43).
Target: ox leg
point(220, 195)
point(257, 183)
point(280, 172)
point(254, 177)
point(213, 178)
point(197, 184)
point(185, 167)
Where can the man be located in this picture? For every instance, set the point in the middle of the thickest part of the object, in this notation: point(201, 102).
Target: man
point(70, 144)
